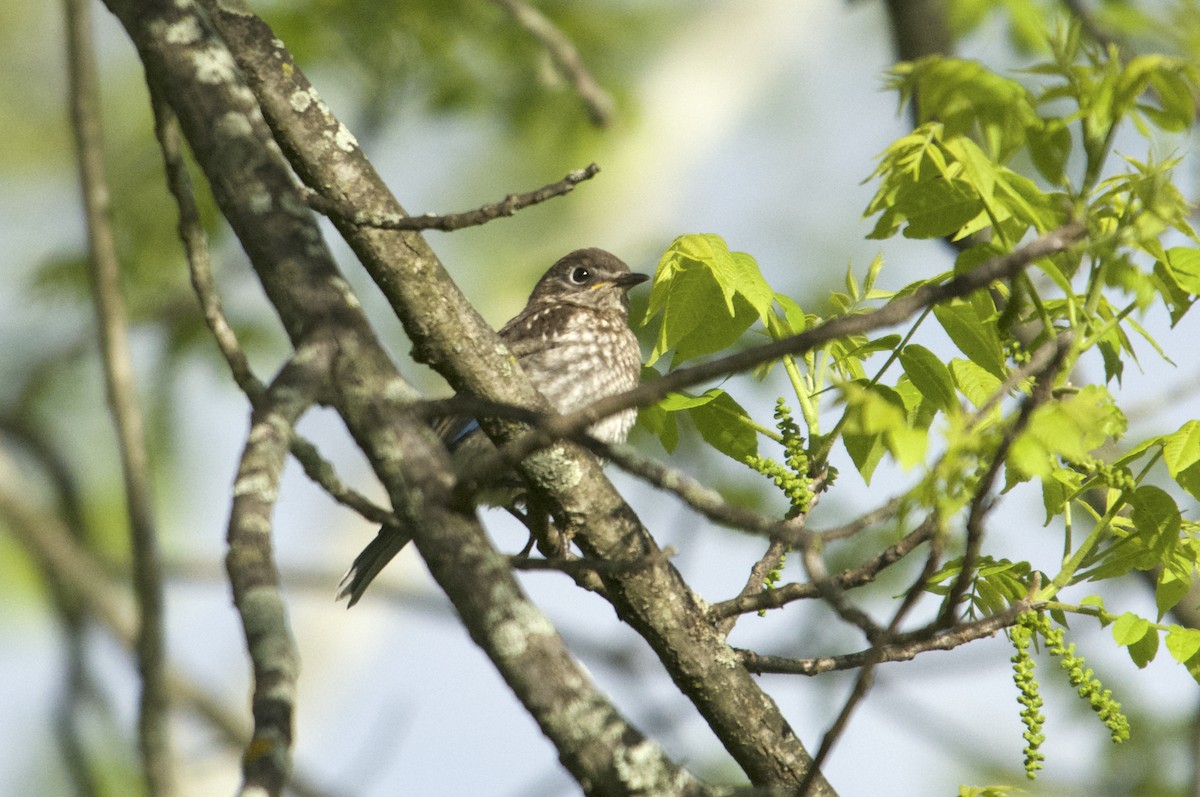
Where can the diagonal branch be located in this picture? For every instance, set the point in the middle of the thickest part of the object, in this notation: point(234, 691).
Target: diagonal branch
point(120, 384)
point(562, 51)
point(191, 233)
point(448, 334)
point(1049, 362)
point(847, 579)
point(253, 188)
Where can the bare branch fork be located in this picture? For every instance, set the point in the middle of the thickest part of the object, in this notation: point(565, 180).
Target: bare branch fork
point(191, 233)
point(451, 221)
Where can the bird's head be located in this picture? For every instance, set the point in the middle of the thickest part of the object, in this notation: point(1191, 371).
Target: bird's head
point(590, 278)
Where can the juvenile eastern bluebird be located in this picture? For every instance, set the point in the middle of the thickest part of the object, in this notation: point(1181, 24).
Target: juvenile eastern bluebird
point(574, 343)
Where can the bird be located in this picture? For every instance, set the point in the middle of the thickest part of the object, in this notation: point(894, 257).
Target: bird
point(574, 343)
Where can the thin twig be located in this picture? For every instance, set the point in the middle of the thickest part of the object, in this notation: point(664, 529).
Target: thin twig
point(759, 572)
point(322, 472)
point(831, 591)
point(562, 51)
point(879, 638)
point(850, 578)
point(120, 383)
point(946, 640)
point(195, 245)
point(451, 221)
point(860, 523)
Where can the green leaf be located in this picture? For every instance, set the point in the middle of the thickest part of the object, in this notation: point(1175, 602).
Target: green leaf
point(1049, 148)
point(1181, 449)
point(1177, 105)
point(969, 99)
point(936, 208)
point(1182, 643)
point(1057, 487)
point(657, 420)
point(1184, 264)
point(1129, 629)
point(721, 421)
point(707, 295)
point(930, 376)
point(1189, 479)
point(866, 451)
point(974, 336)
point(975, 382)
point(1145, 649)
point(1156, 519)
point(1171, 588)
point(1069, 429)
point(876, 414)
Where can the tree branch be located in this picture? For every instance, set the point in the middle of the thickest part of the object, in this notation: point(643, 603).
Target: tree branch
point(451, 221)
point(584, 565)
point(1045, 365)
point(449, 335)
point(848, 579)
point(120, 383)
point(191, 232)
point(241, 161)
point(562, 51)
point(63, 560)
point(947, 639)
point(254, 576)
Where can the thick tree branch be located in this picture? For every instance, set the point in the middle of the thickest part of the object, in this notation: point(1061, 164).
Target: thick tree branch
point(449, 335)
point(120, 384)
point(191, 232)
point(253, 189)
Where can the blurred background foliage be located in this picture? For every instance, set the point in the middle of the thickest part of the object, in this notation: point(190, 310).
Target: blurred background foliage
point(457, 105)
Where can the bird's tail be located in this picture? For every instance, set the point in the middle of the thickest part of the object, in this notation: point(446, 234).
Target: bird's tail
point(387, 543)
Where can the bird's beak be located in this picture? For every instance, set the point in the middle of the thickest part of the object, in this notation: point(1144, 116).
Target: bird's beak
point(627, 281)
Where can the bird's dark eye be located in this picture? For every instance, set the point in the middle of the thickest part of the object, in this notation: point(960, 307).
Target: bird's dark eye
point(580, 275)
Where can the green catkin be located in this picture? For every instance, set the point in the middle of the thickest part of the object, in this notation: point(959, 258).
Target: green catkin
point(791, 476)
point(1028, 627)
point(1030, 696)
